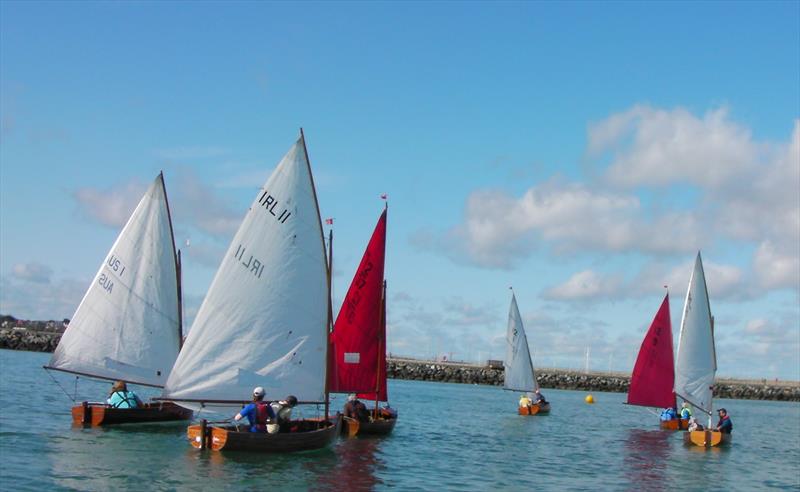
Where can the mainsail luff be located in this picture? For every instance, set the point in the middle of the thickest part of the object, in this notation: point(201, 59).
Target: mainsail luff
point(381, 392)
point(696, 364)
point(653, 377)
point(356, 333)
point(518, 370)
point(264, 320)
point(126, 326)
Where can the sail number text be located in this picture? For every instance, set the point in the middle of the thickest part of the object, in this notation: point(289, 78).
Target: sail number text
point(360, 282)
point(116, 266)
point(252, 264)
point(269, 203)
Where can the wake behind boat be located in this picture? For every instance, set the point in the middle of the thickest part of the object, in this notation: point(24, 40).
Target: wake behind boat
point(128, 325)
point(265, 320)
point(518, 366)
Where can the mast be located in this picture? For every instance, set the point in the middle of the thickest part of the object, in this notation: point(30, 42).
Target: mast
point(179, 268)
point(329, 326)
point(381, 345)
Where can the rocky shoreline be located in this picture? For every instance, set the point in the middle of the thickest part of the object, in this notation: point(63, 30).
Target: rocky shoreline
point(45, 336)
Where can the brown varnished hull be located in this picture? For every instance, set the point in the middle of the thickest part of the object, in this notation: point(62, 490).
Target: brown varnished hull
point(97, 414)
point(675, 424)
point(377, 427)
point(705, 438)
point(535, 409)
point(309, 434)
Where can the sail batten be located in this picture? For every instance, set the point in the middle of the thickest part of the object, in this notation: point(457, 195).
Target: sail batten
point(359, 334)
point(264, 319)
point(518, 370)
point(695, 365)
point(652, 380)
point(126, 326)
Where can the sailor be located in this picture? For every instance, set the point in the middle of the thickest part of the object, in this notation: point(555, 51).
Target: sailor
point(538, 398)
point(525, 400)
point(669, 414)
point(283, 414)
point(355, 409)
point(686, 411)
point(257, 413)
point(724, 425)
point(120, 397)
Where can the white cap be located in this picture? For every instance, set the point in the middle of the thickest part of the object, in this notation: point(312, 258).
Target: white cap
point(351, 398)
point(258, 391)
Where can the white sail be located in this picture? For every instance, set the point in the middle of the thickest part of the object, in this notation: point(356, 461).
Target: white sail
point(696, 362)
point(127, 325)
point(519, 374)
point(264, 320)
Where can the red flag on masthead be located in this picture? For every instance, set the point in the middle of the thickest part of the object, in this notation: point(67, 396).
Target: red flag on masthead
point(329, 221)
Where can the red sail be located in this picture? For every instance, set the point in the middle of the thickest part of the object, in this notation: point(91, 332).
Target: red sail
point(357, 338)
point(653, 375)
point(381, 394)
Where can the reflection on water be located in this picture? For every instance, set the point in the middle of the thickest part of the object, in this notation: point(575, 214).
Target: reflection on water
point(353, 466)
point(647, 458)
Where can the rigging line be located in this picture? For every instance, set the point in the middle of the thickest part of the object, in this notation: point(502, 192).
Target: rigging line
point(62, 388)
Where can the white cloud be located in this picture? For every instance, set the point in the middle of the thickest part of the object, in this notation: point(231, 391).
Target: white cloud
point(32, 272)
point(111, 207)
point(586, 285)
point(660, 147)
point(41, 301)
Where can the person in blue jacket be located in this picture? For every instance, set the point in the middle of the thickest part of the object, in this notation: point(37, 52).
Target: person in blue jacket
point(258, 412)
point(120, 397)
point(669, 414)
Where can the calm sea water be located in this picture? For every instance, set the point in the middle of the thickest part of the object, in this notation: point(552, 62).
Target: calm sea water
point(449, 437)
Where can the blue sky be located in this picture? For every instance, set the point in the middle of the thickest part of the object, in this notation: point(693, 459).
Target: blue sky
point(582, 152)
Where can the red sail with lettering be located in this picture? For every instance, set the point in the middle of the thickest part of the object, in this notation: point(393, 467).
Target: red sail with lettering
point(653, 375)
point(358, 338)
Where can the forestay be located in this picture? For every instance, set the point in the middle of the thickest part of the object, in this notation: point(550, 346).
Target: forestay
point(264, 320)
point(696, 362)
point(127, 325)
point(519, 374)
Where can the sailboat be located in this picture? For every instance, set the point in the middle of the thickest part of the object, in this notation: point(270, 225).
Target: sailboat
point(653, 377)
point(518, 367)
point(264, 321)
point(696, 363)
point(358, 341)
point(128, 325)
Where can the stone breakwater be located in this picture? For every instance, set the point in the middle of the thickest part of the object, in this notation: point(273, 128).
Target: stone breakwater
point(45, 337)
point(563, 379)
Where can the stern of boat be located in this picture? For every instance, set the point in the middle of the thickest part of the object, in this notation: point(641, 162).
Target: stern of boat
point(705, 438)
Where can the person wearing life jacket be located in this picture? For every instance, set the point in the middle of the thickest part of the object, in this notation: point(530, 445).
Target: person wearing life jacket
point(525, 400)
point(283, 414)
point(724, 425)
point(355, 409)
point(257, 413)
point(120, 397)
point(669, 414)
point(539, 398)
point(686, 411)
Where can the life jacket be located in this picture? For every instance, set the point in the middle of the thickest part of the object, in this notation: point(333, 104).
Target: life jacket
point(727, 419)
point(128, 400)
point(262, 414)
point(687, 410)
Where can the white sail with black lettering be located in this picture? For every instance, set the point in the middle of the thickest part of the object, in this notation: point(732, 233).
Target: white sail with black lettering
point(264, 320)
point(696, 362)
point(519, 374)
point(127, 325)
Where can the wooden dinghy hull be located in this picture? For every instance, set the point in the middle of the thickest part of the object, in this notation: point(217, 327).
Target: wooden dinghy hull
point(535, 409)
point(97, 414)
point(381, 426)
point(311, 434)
point(675, 424)
point(705, 438)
